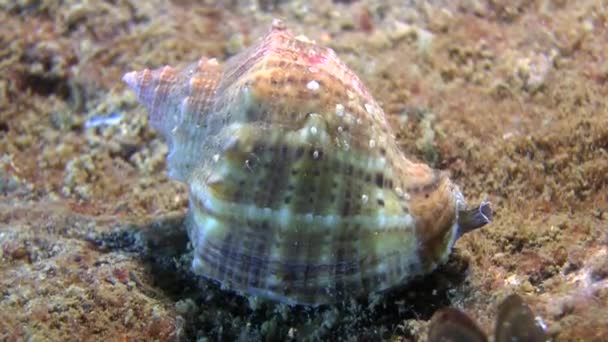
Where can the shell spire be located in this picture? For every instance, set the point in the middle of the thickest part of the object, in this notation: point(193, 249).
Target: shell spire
point(298, 189)
point(178, 103)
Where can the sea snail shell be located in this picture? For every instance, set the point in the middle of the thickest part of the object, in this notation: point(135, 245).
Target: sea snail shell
point(298, 191)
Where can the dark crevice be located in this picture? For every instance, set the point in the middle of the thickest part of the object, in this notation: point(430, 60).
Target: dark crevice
point(45, 85)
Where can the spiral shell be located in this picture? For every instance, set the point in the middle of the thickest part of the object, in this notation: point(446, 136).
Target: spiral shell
point(298, 190)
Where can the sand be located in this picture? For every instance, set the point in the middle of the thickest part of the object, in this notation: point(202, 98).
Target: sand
point(510, 97)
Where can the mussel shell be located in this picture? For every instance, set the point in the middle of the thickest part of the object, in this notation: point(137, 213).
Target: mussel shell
point(516, 322)
point(452, 325)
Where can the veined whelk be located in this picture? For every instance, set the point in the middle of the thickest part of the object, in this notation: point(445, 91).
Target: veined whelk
point(298, 190)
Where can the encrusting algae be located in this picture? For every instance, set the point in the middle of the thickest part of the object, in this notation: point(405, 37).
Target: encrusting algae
point(298, 190)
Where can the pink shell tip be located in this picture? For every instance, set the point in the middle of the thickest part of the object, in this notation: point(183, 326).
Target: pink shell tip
point(130, 79)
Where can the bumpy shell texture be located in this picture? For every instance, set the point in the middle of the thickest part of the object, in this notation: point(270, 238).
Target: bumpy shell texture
point(298, 191)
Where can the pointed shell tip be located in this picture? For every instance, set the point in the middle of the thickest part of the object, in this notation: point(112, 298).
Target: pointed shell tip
point(278, 24)
point(130, 79)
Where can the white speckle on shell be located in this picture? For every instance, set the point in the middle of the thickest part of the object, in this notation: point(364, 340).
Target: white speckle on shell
point(313, 85)
point(308, 217)
point(399, 191)
point(303, 38)
point(340, 109)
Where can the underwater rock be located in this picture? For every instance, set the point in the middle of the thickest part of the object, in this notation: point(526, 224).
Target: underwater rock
point(298, 189)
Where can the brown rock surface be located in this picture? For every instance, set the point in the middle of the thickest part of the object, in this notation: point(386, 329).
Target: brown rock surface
point(509, 96)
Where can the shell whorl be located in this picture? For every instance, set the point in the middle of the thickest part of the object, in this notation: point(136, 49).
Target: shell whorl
point(298, 190)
